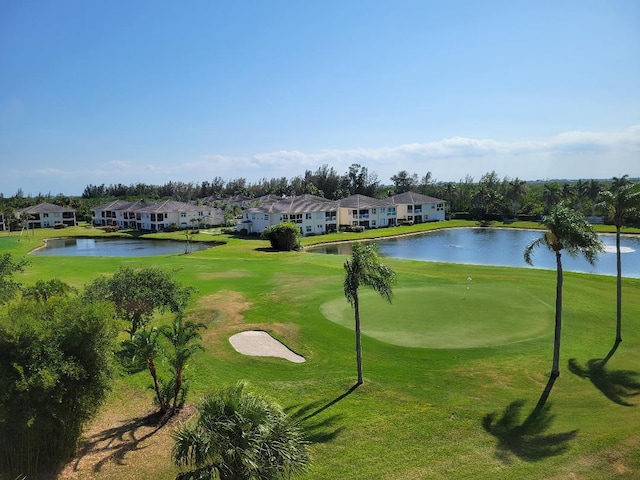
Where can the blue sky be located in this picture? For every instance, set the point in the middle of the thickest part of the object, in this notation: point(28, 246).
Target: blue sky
point(141, 91)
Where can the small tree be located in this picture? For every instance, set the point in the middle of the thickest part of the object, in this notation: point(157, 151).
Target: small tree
point(567, 230)
point(137, 294)
point(364, 268)
point(8, 286)
point(239, 435)
point(183, 336)
point(284, 236)
point(143, 348)
point(43, 290)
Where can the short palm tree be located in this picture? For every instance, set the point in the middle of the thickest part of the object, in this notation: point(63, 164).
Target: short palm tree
point(240, 435)
point(619, 203)
point(567, 230)
point(143, 348)
point(364, 268)
point(184, 337)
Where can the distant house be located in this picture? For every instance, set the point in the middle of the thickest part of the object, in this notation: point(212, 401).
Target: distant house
point(417, 208)
point(360, 210)
point(47, 215)
point(3, 225)
point(317, 215)
point(314, 215)
point(155, 216)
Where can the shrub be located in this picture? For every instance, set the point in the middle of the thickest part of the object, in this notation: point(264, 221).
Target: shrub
point(284, 236)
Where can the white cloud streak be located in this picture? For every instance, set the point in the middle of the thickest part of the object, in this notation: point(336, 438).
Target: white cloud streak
point(571, 155)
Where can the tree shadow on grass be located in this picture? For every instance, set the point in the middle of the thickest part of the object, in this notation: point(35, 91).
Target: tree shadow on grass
point(121, 440)
point(617, 385)
point(319, 431)
point(527, 440)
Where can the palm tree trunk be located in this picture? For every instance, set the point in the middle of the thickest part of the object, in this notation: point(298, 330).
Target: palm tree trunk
point(618, 289)
point(356, 306)
point(555, 369)
point(152, 370)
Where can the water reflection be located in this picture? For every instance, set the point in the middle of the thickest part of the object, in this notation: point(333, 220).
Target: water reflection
point(499, 247)
point(105, 247)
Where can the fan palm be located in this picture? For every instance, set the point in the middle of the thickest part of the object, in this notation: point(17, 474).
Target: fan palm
point(567, 230)
point(364, 268)
point(239, 435)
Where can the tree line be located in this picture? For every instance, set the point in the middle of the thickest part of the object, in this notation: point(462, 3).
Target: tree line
point(490, 197)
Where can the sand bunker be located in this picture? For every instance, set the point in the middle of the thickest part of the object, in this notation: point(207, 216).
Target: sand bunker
point(258, 343)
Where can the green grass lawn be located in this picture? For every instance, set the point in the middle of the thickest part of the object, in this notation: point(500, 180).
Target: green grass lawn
point(438, 361)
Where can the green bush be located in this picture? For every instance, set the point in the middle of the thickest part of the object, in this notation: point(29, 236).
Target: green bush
point(284, 236)
point(55, 364)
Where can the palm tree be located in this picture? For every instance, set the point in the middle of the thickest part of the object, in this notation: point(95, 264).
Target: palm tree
point(619, 203)
point(592, 192)
point(551, 195)
point(239, 435)
point(567, 230)
point(516, 189)
point(364, 268)
point(183, 336)
point(143, 347)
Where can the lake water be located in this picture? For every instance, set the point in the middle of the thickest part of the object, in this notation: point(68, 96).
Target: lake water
point(112, 247)
point(500, 247)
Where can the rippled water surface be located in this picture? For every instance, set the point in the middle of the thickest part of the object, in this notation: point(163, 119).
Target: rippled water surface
point(501, 247)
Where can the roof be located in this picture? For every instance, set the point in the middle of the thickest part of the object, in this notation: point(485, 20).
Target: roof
point(413, 198)
point(298, 204)
point(362, 201)
point(45, 208)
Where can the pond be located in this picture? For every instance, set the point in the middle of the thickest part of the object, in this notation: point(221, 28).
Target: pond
point(114, 247)
point(499, 247)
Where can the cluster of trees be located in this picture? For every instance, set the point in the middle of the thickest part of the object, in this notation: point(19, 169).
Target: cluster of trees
point(58, 349)
point(58, 352)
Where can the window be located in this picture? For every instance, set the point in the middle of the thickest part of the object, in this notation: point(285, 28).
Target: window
point(201, 214)
point(410, 208)
point(354, 213)
point(373, 211)
point(183, 215)
point(45, 215)
point(391, 210)
point(266, 216)
point(284, 218)
point(373, 223)
point(308, 228)
point(307, 216)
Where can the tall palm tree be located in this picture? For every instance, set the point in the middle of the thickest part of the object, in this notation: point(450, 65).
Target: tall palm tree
point(619, 203)
point(566, 230)
point(184, 337)
point(240, 435)
point(364, 268)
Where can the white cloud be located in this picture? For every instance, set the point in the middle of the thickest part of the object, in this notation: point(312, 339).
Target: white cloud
point(573, 154)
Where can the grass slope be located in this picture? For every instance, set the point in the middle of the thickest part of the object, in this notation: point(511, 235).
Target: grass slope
point(422, 412)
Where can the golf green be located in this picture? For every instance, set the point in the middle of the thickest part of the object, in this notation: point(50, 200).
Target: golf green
point(449, 316)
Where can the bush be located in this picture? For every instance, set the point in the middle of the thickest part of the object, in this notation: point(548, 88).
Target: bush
point(56, 363)
point(284, 236)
